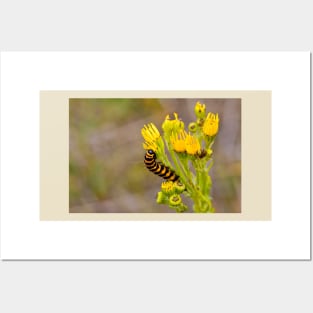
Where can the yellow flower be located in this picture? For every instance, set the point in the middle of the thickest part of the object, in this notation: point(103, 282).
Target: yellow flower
point(150, 133)
point(178, 141)
point(200, 110)
point(167, 187)
point(170, 126)
point(210, 126)
point(192, 145)
point(153, 139)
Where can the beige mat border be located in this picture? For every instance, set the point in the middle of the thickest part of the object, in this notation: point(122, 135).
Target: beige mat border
point(256, 156)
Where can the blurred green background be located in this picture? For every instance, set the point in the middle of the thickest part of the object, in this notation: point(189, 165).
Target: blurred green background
point(106, 170)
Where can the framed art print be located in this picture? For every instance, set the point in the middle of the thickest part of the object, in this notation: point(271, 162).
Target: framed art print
point(99, 177)
point(155, 155)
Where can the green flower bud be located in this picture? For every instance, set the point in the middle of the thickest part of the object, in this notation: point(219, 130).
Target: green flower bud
point(179, 125)
point(181, 208)
point(200, 110)
point(192, 127)
point(179, 187)
point(175, 200)
point(161, 198)
point(200, 122)
point(169, 126)
point(209, 152)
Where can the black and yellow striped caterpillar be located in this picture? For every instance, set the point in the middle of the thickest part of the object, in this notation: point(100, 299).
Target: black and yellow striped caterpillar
point(159, 168)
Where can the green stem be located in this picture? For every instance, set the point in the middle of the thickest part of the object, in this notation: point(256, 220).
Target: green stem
point(178, 168)
point(203, 183)
point(209, 166)
point(162, 155)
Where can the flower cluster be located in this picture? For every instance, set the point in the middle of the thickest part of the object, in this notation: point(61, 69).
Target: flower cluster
point(187, 150)
point(170, 195)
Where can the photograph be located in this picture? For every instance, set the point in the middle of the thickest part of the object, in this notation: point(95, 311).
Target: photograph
point(150, 155)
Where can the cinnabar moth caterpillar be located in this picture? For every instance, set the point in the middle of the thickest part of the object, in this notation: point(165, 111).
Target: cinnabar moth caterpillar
point(159, 168)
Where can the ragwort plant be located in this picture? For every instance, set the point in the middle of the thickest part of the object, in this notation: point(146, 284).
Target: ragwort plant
point(184, 159)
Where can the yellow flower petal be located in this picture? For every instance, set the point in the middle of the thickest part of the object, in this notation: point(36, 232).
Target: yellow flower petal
point(211, 123)
point(150, 133)
point(192, 145)
point(178, 141)
point(150, 146)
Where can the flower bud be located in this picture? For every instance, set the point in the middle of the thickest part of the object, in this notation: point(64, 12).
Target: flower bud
point(175, 200)
point(169, 126)
point(200, 110)
point(192, 127)
point(181, 208)
point(161, 198)
point(179, 186)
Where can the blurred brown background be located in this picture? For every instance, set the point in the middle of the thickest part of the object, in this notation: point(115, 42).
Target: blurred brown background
point(107, 173)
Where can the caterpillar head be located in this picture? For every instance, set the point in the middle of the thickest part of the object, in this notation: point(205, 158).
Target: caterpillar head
point(151, 152)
